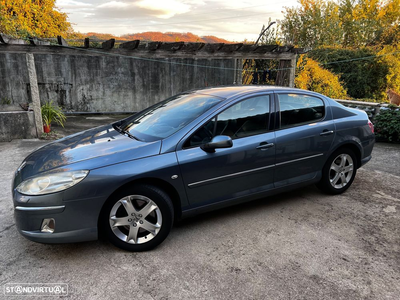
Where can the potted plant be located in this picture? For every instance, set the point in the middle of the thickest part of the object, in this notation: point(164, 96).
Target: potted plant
point(52, 113)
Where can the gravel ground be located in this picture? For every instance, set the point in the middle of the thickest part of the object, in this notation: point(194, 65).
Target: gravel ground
point(298, 245)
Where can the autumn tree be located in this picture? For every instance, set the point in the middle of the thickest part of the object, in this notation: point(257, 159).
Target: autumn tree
point(359, 40)
point(39, 18)
point(390, 57)
point(347, 23)
point(313, 24)
point(370, 19)
point(311, 76)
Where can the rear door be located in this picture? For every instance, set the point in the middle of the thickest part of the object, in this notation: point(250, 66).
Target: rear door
point(304, 135)
point(245, 168)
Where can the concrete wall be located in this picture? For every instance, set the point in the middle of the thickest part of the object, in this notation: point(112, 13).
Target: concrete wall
point(14, 79)
point(107, 83)
point(17, 125)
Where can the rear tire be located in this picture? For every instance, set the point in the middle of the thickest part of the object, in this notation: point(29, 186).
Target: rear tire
point(138, 218)
point(339, 172)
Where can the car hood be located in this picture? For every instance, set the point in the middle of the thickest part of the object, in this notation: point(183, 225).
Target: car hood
point(96, 148)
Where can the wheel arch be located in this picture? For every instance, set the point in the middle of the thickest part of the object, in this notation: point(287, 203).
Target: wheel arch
point(353, 146)
point(165, 186)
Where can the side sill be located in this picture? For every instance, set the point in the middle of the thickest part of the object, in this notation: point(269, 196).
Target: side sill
point(230, 202)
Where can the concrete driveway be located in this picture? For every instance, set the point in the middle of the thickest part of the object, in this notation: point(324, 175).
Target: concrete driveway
point(299, 245)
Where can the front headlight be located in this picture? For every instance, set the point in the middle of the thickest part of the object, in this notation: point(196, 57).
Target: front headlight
point(51, 183)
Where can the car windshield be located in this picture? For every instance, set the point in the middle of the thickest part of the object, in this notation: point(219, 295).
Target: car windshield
point(167, 117)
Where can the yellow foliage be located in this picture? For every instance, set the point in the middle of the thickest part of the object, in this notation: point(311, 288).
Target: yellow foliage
point(348, 23)
point(39, 18)
point(312, 77)
point(393, 63)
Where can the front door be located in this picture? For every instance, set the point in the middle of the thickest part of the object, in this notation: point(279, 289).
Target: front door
point(245, 168)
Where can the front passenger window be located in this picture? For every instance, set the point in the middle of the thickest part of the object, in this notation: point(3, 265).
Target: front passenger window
point(246, 118)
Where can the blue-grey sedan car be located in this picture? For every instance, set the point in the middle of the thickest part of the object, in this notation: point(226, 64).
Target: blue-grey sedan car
point(197, 151)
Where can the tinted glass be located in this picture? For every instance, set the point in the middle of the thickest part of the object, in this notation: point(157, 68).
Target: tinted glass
point(299, 109)
point(248, 117)
point(167, 117)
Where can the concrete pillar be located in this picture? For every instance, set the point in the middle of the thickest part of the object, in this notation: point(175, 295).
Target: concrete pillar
point(235, 71)
point(292, 71)
point(239, 72)
point(30, 61)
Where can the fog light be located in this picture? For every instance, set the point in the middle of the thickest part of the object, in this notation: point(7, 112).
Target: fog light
point(48, 225)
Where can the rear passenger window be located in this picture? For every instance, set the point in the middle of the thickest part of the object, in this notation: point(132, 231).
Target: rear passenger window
point(246, 118)
point(299, 109)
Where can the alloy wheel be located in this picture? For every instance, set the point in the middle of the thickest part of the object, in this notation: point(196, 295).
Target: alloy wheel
point(135, 219)
point(341, 171)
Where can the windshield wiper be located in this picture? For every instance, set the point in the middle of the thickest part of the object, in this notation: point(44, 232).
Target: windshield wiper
point(125, 132)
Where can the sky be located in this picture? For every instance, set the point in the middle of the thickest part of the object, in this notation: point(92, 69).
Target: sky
point(231, 20)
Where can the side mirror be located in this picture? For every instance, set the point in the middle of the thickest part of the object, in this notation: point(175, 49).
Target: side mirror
point(219, 141)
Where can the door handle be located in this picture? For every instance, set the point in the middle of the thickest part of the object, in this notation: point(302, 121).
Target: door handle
point(326, 132)
point(265, 145)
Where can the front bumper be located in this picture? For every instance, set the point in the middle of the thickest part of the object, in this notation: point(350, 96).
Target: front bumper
point(75, 221)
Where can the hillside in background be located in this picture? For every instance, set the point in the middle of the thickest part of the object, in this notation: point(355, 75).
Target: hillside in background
point(159, 37)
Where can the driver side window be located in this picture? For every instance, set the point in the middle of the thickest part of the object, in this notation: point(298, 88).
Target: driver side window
point(246, 118)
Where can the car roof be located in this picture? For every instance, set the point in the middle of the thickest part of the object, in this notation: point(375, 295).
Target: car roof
point(232, 91)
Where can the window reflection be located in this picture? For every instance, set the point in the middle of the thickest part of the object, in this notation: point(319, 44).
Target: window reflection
point(162, 120)
point(297, 109)
point(246, 118)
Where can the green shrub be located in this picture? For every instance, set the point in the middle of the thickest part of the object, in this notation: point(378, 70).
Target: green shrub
point(387, 124)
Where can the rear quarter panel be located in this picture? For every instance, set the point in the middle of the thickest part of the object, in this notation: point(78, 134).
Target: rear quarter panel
point(352, 128)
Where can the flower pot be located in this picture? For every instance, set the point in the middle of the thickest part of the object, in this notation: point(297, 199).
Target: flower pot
point(46, 128)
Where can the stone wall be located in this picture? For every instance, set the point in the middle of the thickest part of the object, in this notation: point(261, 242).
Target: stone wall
point(103, 83)
point(17, 125)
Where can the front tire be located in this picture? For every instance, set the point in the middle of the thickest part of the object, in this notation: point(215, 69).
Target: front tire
point(339, 172)
point(138, 218)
